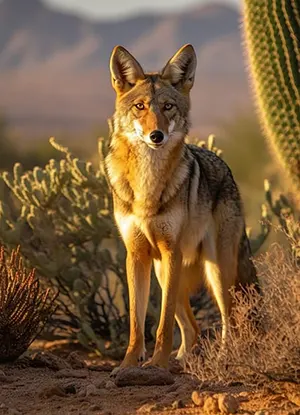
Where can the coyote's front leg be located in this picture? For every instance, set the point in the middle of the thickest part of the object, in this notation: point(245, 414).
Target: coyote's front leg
point(171, 268)
point(138, 267)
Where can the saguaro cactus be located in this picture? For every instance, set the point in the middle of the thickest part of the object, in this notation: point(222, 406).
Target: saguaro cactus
point(272, 40)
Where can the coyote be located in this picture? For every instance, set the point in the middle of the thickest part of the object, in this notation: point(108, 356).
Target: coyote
point(175, 204)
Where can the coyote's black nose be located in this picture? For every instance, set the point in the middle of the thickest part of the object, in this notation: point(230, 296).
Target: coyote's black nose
point(156, 136)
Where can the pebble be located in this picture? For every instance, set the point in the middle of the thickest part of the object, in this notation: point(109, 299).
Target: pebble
point(198, 398)
point(75, 361)
point(110, 385)
point(55, 390)
point(211, 405)
point(228, 404)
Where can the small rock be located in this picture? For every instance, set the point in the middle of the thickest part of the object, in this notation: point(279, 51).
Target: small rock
point(228, 404)
point(211, 405)
point(261, 413)
point(71, 373)
point(55, 390)
point(47, 359)
point(177, 404)
point(150, 375)
point(198, 398)
point(75, 361)
point(110, 385)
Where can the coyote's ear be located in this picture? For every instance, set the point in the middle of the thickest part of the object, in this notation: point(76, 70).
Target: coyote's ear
point(180, 69)
point(125, 70)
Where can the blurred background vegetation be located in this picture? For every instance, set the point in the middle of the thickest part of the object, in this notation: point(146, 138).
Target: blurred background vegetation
point(241, 140)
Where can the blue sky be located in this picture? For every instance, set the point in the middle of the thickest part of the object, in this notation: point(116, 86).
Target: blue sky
point(114, 9)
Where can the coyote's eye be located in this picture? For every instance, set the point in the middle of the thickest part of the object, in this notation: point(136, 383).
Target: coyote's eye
point(140, 106)
point(168, 106)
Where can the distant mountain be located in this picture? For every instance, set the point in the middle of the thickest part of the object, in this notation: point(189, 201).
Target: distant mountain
point(54, 66)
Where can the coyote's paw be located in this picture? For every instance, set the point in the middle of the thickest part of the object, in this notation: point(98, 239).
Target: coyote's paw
point(115, 371)
point(131, 359)
point(158, 360)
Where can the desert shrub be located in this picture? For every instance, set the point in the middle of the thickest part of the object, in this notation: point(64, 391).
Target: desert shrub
point(24, 306)
point(61, 217)
point(261, 346)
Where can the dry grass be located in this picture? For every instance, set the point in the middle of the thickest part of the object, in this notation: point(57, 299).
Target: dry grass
point(266, 346)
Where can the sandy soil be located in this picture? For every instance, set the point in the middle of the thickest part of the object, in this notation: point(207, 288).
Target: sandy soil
point(55, 379)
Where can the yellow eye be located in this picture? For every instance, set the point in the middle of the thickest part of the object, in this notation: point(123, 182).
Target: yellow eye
point(140, 106)
point(168, 106)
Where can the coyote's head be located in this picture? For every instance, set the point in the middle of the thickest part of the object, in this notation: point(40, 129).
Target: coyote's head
point(153, 108)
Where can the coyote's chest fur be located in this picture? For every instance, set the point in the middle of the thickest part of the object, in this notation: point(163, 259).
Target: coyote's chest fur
point(151, 202)
point(176, 225)
point(145, 180)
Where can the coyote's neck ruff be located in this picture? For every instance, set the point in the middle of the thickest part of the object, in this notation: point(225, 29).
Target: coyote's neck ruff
point(176, 205)
point(145, 179)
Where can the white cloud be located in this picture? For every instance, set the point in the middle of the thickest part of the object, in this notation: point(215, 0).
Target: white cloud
point(115, 9)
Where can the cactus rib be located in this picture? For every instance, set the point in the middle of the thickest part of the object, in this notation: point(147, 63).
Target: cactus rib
point(272, 30)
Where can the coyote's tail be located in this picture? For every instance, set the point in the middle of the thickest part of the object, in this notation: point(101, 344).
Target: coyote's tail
point(247, 274)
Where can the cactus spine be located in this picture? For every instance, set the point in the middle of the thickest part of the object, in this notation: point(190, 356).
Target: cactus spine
point(272, 29)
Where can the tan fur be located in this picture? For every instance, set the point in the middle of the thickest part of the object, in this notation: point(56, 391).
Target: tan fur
point(175, 204)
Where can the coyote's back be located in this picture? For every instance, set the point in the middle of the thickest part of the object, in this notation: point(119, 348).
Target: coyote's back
point(176, 205)
point(220, 185)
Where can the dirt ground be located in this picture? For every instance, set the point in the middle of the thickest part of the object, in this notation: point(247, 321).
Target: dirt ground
point(55, 379)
